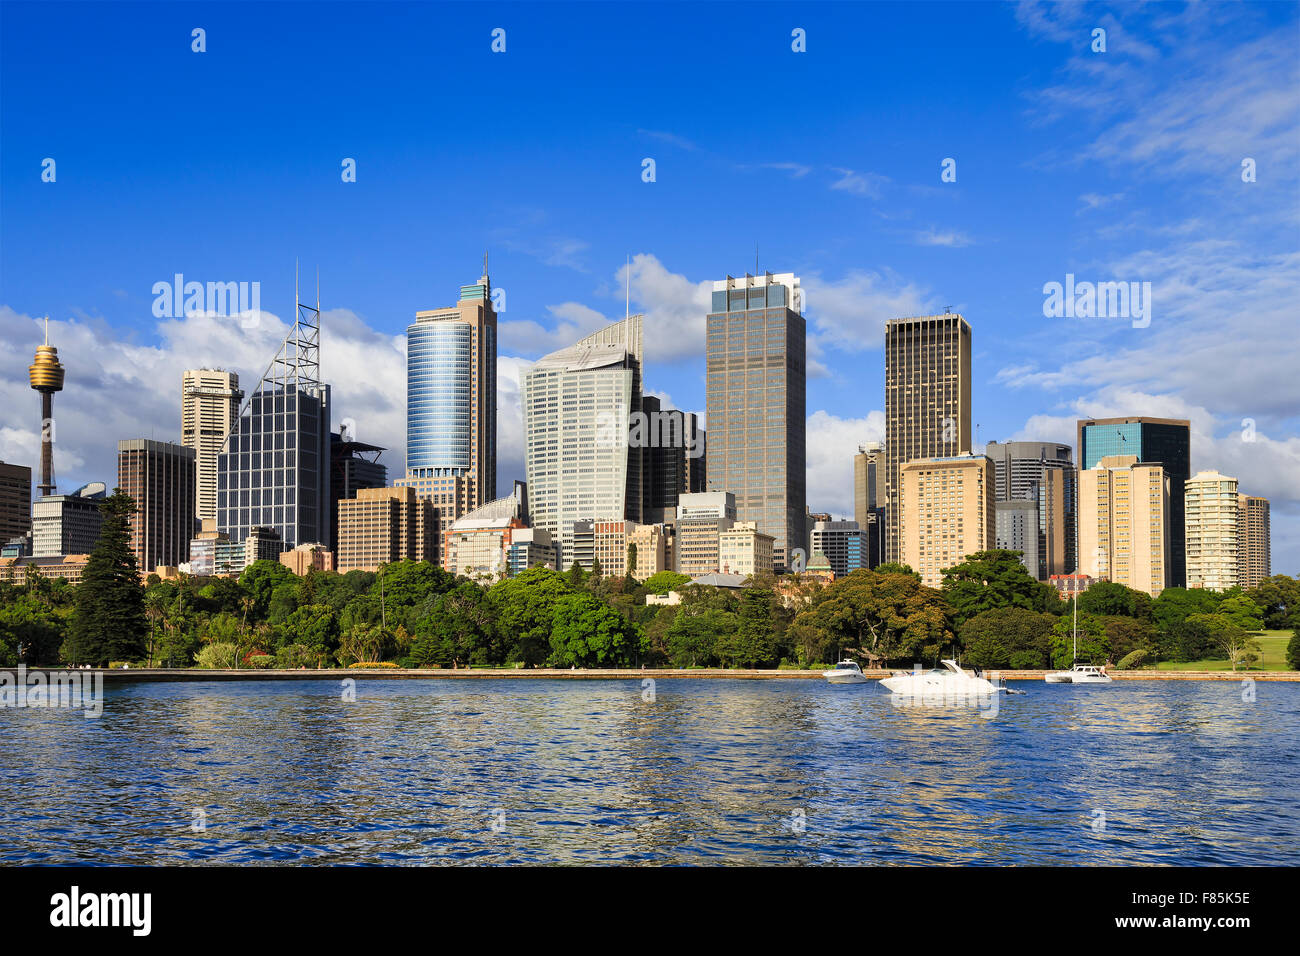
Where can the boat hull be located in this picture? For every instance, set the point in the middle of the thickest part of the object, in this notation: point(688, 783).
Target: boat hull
point(843, 677)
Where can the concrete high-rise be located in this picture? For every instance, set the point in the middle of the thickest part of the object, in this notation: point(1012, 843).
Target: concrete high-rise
point(1164, 440)
point(1253, 546)
point(674, 460)
point(160, 477)
point(15, 501)
point(949, 513)
point(451, 403)
point(383, 525)
point(68, 524)
point(1043, 472)
point(274, 467)
point(1211, 517)
point(842, 543)
point(210, 401)
point(756, 379)
point(577, 406)
point(1124, 523)
point(927, 403)
point(869, 501)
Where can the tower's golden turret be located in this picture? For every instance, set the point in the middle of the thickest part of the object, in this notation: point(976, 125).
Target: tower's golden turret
point(45, 372)
point(46, 375)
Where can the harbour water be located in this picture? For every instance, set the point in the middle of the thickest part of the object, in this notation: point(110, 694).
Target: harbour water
point(697, 772)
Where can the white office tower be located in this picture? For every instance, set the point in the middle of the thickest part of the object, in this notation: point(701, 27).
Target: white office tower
point(577, 404)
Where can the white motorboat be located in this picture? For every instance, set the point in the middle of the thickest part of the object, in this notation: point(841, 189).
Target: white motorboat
point(845, 672)
point(1080, 674)
point(946, 681)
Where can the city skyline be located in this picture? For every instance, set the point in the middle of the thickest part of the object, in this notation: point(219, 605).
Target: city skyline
point(877, 233)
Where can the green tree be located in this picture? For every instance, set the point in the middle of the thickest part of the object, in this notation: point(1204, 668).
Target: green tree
point(1008, 637)
point(259, 581)
point(1237, 646)
point(1279, 598)
point(1128, 634)
point(1241, 611)
point(694, 633)
point(1293, 650)
point(587, 633)
point(890, 616)
point(993, 579)
point(313, 626)
point(631, 560)
point(1093, 645)
point(109, 623)
point(1175, 605)
point(752, 642)
point(458, 631)
point(524, 610)
point(662, 582)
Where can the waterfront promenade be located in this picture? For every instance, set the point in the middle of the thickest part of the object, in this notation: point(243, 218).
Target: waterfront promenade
point(511, 673)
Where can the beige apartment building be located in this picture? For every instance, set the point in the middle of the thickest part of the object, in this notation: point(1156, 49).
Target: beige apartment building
point(382, 525)
point(210, 400)
point(949, 511)
point(307, 557)
point(1253, 549)
point(744, 550)
point(1210, 517)
point(1124, 523)
point(652, 550)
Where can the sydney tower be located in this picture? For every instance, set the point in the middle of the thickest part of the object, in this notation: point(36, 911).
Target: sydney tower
point(46, 376)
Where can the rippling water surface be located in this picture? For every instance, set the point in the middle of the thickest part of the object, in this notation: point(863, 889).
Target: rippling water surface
point(710, 771)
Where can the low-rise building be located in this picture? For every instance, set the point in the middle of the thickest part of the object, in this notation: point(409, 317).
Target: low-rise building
point(744, 550)
point(308, 557)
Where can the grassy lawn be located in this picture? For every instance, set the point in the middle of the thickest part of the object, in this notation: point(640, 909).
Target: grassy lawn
point(1272, 645)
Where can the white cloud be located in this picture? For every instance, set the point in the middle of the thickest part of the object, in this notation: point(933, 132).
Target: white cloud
point(832, 442)
point(850, 314)
point(859, 184)
point(948, 237)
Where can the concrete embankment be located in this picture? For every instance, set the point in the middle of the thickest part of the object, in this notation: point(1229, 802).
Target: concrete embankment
point(390, 673)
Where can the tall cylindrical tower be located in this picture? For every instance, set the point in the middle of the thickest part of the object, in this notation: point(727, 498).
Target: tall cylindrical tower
point(46, 375)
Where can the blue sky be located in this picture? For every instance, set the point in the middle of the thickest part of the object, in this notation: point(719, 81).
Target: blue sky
point(225, 166)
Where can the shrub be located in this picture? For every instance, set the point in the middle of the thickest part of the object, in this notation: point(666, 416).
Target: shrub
point(1293, 651)
point(1026, 660)
point(217, 656)
point(260, 661)
point(1135, 659)
point(294, 656)
point(370, 665)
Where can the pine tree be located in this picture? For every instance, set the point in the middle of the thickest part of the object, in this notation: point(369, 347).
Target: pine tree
point(109, 623)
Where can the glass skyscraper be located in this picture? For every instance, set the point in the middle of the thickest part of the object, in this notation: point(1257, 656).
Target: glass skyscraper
point(755, 378)
point(274, 468)
point(1167, 441)
point(451, 403)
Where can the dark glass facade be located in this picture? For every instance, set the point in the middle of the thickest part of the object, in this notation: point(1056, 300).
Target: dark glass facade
point(1164, 440)
point(756, 380)
point(274, 471)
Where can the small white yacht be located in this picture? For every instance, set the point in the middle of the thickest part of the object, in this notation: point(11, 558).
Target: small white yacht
point(1080, 674)
point(845, 672)
point(947, 680)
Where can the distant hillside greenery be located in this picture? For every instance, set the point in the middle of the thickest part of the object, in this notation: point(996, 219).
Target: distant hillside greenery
point(989, 612)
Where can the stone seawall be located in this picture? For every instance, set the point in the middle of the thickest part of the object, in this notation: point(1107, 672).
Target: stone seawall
point(390, 673)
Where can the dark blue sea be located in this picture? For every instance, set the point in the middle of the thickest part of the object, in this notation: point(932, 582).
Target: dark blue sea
point(701, 771)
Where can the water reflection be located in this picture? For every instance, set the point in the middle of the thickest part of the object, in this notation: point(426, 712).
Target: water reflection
point(785, 772)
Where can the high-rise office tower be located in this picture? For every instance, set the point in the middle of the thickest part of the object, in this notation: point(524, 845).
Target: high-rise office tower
point(160, 477)
point(353, 465)
point(1124, 523)
point(68, 524)
point(927, 402)
point(451, 403)
point(756, 376)
point(577, 406)
point(274, 467)
point(674, 460)
point(46, 377)
point(842, 543)
point(1023, 470)
point(15, 501)
point(1211, 519)
point(869, 501)
point(949, 513)
point(209, 409)
point(1017, 530)
point(1164, 440)
point(1253, 546)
